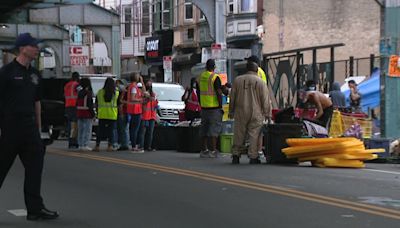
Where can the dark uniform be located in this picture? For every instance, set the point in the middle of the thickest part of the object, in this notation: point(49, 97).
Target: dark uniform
point(19, 90)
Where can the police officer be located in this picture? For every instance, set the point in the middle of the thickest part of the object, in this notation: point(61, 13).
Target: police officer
point(20, 123)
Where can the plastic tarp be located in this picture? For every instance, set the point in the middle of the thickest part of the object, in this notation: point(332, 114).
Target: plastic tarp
point(369, 89)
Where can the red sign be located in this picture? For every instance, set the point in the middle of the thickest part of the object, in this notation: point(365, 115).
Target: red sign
point(79, 60)
point(75, 50)
point(79, 55)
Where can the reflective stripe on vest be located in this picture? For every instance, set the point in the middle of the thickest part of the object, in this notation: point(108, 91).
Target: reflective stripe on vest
point(84, 105)
point(208, 96)
point(133, 107)
point(70, 93)
point(107, 110)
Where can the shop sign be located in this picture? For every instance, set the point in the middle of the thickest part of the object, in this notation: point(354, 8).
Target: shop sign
point(79, 55)
point(153, 49)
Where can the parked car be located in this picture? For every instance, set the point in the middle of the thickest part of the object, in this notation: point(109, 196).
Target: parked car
point(169, 100)
point(52, 106)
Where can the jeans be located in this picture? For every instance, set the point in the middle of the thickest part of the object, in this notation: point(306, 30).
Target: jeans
point(71, 131)
point(134, 127)
point(146, 133)
point(123, 130)
point(84, 132)
point(106, 131)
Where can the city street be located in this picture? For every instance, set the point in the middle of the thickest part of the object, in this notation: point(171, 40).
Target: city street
point(172, 189)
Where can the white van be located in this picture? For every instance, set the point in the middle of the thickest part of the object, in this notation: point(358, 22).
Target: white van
point(169, 100)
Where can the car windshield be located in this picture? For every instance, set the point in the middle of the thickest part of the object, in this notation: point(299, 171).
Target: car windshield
point(97, 85)
point(173, 93)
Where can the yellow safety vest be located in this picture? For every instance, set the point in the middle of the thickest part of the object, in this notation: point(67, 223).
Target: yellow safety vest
point(262, 75)
point(208, 95)
point(107, 110)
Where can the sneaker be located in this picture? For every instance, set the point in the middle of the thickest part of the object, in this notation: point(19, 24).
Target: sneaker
point(235, 159)
point(213, 154)
point(151, 149)
point(204, 154)
point(85, 148)
point(137, 151)
point(255, 161)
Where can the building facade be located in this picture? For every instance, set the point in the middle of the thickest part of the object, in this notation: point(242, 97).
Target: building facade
point(293, 24)
point(136, 26)
point(191, 39)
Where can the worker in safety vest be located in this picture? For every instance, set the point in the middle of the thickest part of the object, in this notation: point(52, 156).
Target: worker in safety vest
point(191, 99)
point(107, 113)
point(211, 109)
point(134, 110)
point(149, 116)
point(71, 96)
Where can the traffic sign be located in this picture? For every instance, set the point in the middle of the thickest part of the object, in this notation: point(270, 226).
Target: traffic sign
point(167, 63)
point(216, 51)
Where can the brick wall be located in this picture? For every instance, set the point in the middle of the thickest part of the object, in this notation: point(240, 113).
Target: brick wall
point(292, 24)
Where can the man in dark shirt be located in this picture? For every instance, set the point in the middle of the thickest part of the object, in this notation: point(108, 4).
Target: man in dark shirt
point(20, 123)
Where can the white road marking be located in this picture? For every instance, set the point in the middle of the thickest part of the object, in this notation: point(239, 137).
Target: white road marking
point(383, 171)
point(18, 212)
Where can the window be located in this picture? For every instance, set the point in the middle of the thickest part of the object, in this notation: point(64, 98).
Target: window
point(176, 13)
point(190, 34)
point(127, 21)
point(230, 6)
point(188, 10)
point(145, 18)
point(166, 22)
point(136, 16)
point(247, 6)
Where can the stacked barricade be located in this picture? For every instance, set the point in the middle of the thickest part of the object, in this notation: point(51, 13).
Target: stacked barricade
point(342, 121)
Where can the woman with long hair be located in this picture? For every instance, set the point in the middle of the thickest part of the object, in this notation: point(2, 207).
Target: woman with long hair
point(149, 107)
point(85, 114)
point(107, 113)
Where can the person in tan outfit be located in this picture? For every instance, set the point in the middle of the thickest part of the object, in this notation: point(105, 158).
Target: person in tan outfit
point(249, 106)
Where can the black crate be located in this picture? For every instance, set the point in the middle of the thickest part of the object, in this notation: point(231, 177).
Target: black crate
point(275, 136)
point(164, 138)
point(379, 143)
point(188, 139)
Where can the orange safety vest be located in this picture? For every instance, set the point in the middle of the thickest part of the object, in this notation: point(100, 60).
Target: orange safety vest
point(149, 110)
point(192, 103)
point(132, 106)
point(70, 93)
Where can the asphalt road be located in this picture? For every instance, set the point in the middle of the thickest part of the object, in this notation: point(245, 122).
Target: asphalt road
point(171, 189)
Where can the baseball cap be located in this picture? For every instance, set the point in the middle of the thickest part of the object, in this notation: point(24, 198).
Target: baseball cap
point(25, 39)
point(254, 59)
point(140, 85)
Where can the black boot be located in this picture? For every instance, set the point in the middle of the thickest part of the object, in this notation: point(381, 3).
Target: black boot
point(43, 214)
point(235, 159)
